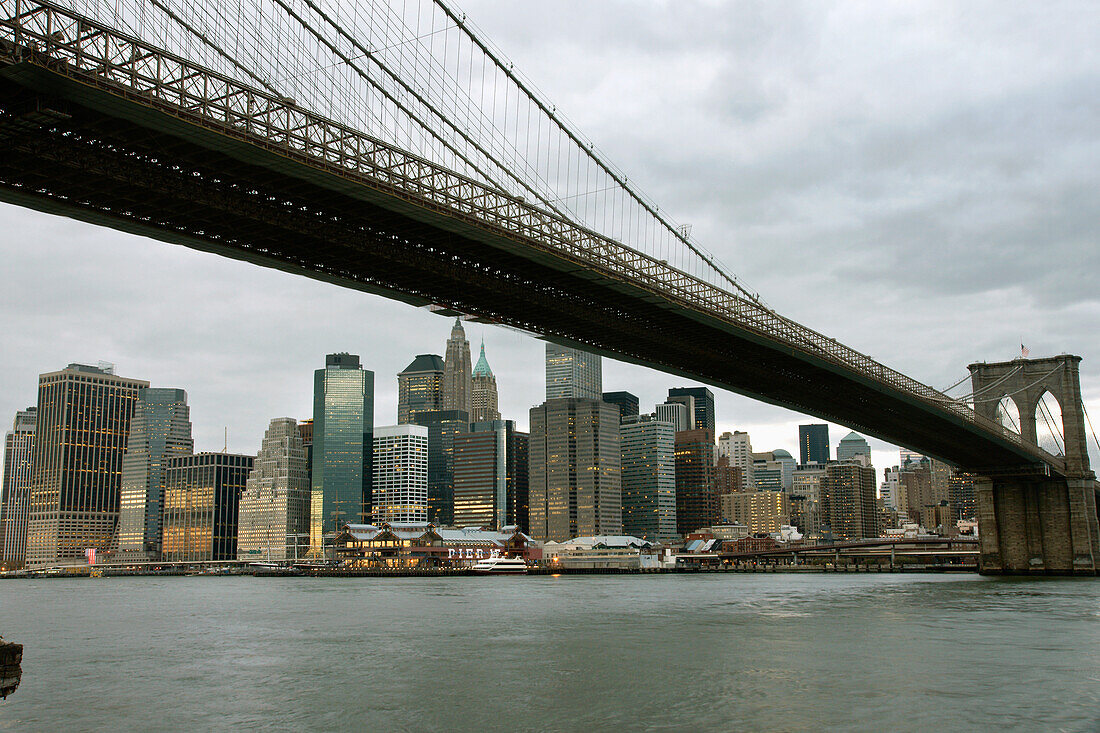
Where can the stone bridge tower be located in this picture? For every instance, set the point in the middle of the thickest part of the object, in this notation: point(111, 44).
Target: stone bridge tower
point(1035, 518)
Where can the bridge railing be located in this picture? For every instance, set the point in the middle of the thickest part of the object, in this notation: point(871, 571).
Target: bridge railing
point(44, 33)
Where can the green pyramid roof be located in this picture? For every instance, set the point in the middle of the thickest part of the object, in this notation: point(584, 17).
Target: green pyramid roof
point(481, 369)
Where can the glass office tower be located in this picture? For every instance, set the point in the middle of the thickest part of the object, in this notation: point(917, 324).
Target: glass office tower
point(572, 373)
point(420, 387)
point(15, 501)
point(813, 443)
point(159, 430)
point(343, 443)
point(83, 426)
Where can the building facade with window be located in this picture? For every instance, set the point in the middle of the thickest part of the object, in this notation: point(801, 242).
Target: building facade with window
point(82, 429)
point(201, 502)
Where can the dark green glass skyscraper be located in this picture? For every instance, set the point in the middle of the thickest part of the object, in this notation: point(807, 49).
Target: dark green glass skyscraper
point(343, 447)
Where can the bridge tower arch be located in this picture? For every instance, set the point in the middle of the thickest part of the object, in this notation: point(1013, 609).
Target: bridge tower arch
point(1029, 520)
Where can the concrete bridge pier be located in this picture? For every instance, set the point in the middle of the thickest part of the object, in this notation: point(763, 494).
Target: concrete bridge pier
point(1031, 520)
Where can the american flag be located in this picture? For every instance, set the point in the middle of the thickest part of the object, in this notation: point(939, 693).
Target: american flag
point(1024, 351)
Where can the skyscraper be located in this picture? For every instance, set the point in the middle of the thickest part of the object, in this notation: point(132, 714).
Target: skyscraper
point(696, 481)
point(848, 503)
point(159, 430)
point(15, 499)
point(575, 469)
point(572, 374)
point(703, 408)
point(273, 522)
point(688, 402)
point(813, 443)
point(400, 474)
point(648, 478)
point(443, 426)
point(737, 447)
point(483, 397)
point(491, 476)
point(626, 402)
point(420, 387)
point(678, 413)
point(201, 502)
point(343, 437)
point(853, 447)
point(82, 429)
point(457, 380)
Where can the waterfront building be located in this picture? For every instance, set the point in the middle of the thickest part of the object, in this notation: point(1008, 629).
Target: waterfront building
point(457, 379)
point(572, 374)
point(83, 425)
point(343, 437)
point(703, 407)
point(159, 430)
point(696, 481)
point(420, 387)
point(678, 413)
point(483, 397)
point(490, 476)
point(422, 544)
point(648, 478)
point(273, 518)
point(15, 499)
point(625, 401)
point(443, 426)
point(575, 464)
point(401, 473)
point(760, 511)
point(737, 447)
point(848, 504)
point(853, 447)
point(813, 443)
point(201, 502)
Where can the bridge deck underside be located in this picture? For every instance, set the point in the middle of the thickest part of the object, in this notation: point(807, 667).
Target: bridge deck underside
point(66, 153)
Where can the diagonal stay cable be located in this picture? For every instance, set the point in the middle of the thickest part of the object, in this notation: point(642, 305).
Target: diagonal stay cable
point(217, 49)
point(367, 53)
point(620, 180)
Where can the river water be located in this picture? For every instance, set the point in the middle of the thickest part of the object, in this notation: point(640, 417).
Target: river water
point(664, 652)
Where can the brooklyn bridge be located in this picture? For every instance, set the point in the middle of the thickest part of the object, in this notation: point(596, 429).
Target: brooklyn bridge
point(396, 152)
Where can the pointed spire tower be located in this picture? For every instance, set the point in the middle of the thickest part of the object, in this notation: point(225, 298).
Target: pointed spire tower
point(456, 370)
point(483, 397)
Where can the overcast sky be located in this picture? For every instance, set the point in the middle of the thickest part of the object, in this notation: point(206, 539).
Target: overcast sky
point(918, 181)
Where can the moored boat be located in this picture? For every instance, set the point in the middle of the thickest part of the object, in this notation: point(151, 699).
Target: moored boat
point(501, 566)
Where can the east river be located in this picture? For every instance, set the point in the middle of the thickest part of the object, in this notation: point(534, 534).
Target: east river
point(631, 653)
